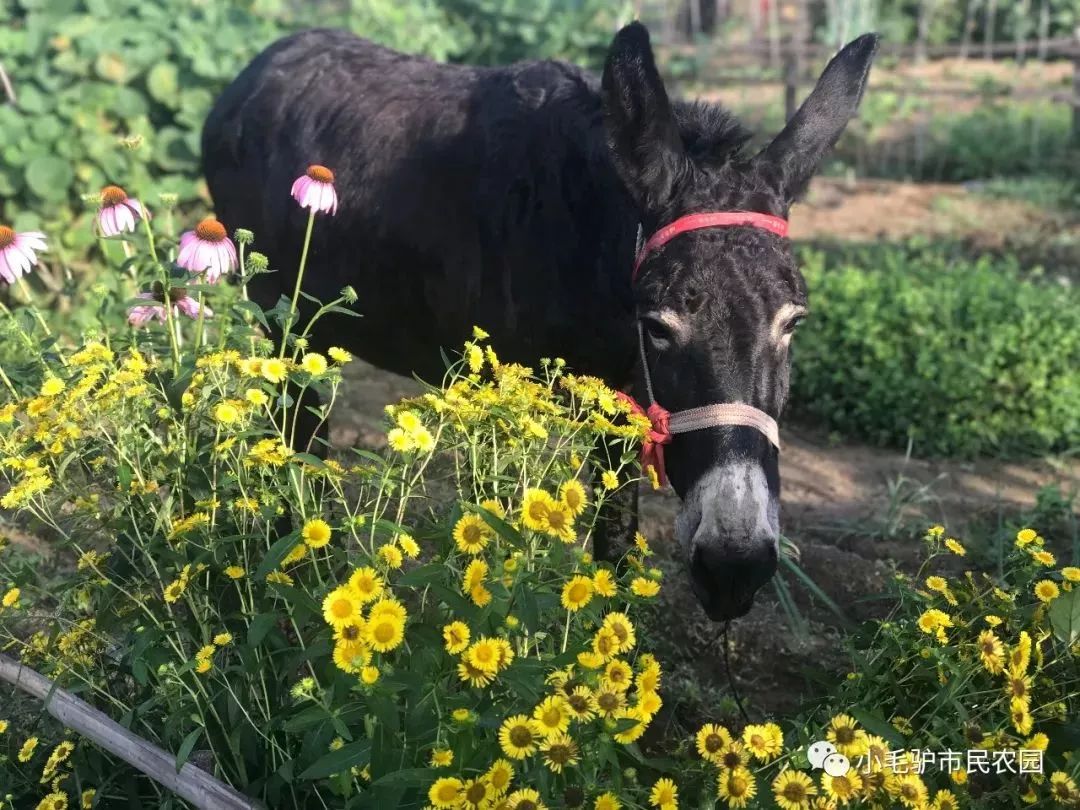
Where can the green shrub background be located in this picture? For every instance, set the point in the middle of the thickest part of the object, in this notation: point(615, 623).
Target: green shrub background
point(963, 356)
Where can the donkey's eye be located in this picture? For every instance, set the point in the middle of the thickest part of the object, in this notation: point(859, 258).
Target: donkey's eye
point(793, 324)
point(657, 332)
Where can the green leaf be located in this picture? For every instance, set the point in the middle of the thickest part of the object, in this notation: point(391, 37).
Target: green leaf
point(163, 83)
point(1064, 616)
point(339, 761)
point(259, 627)
point(49, 177)
point(406, 777)
point(876, 724)
point(276, 554)
point(186, 747)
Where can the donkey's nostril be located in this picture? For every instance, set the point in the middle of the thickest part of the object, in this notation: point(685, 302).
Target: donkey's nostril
point(726, 579)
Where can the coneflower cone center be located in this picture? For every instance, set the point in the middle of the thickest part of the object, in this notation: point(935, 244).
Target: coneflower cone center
point(210, 230)
point(7, 236)
point(113, 195)
point(320, 174)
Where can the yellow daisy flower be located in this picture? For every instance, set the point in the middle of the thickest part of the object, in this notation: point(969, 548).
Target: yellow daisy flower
point(647, 588)
point(577, 593)
point(664, 794)
point(445, 792)
point(711, 739)
point(604, 583)
point(552, 715)
point(456, 636)
point(793, 790)
point(737, 787)
point(1046, 590)
point(341, 606)
point(316, 533)
point(471, 534)
point(519, 736)
point(572, 496)
point(366, 583)
point(535, 508)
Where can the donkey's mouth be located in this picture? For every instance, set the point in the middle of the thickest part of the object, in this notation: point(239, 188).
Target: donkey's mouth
point(727, 596)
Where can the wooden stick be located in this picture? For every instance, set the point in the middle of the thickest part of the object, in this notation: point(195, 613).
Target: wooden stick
point(190, 783)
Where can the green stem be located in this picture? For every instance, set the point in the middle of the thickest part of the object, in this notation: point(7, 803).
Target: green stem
point(7, 382)
point(299, 281)
point(167, 303)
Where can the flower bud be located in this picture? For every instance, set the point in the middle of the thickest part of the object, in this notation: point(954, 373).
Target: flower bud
point(258, 262)
point(349, 294)
point(243, 236)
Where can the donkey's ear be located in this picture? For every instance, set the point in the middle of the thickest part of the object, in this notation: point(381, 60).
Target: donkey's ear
point(643, 136)
point(795, 154)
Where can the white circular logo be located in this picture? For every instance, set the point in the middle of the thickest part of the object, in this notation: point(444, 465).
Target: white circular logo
point(836, 765)
point(817, 752)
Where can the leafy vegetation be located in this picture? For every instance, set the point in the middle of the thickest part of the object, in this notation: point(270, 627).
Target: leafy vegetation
point(88, 74)
point(956, 356)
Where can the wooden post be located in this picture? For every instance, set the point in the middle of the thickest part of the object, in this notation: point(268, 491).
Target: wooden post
point(189, 783)
point(791, 84)
point(988, 33)
point(969, 28)
point(1075, 100)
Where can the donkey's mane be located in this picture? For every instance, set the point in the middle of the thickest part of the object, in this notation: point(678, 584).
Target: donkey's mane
point(711, 135)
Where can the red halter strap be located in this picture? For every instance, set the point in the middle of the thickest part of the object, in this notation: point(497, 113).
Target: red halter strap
point(665, 424)
point(713, 219)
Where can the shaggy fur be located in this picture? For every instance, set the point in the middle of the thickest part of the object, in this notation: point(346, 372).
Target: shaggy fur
point(511, 198)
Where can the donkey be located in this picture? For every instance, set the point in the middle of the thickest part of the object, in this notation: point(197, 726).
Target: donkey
point(513, 198)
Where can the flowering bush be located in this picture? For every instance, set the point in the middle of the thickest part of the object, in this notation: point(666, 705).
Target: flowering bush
point(424, 626)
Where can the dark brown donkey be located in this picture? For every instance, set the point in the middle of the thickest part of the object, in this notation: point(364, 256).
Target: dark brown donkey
point(512, 197)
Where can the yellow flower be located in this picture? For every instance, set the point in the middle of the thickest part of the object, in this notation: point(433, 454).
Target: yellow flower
point(991, 652)
point(461, 715)
point(479, 333)
point(582, 703)
point(11, 597)
point(842, 788)
point(793, 790)
point(203, 665)
point(1046, 590)
point(535, 508)
point(369, 675)
point(445, 792)
point(298, 553)
point(644, 587)
point(559, 751)
point(619, 624)
point(955, 547)
point(609, 479)
point(480, 596)
point(910, 789)
point(484, 655)
point(737, 786)
point(474, 576)
point(500, 775)
point(476, 794)
point(86, 801)
point(1045, 557)
point(604, 583)
point(471, 534)
point(648, 679)
point(409, 546)
point(664, 794)
point(1062, 787)
point(1071, 573)
point(26, 753)
point(607, 801)
point(519, 736)
point(384, 631)
point(1025, 537)
point(442, 757)
point(456, 636)
point(366, 584)
point(339, 355)
point(391, 555)
point(577, 593)
point(400, 441)
point(223, 639)
point(764, 742)
point(256, 397)
point(933, 622)
point(52, 386)
point(316, 533)
point(992, 620)
point(341, 606)
point(631, 734)
point(3, 726)
point(273, 370)
point(590, 659)
point(572, 496)
point(618, 675)
point(1038, 742)
point(552, 715)
point(314, 364)
point(560, 523)
point(226, 413)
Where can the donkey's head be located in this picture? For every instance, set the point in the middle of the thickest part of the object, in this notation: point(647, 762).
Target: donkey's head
point(718, 306)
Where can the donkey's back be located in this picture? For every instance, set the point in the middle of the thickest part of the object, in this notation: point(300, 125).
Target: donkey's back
point(467, 195)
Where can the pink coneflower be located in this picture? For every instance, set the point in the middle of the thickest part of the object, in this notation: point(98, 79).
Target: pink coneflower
point(207, 249)
point(182, 303)
point(17, 252)
point(315, 190)
point(119, 213)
